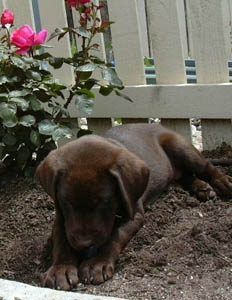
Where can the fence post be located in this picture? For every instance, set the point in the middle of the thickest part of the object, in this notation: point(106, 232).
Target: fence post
point(206, 27)
point(127, 44)
point(164, 20)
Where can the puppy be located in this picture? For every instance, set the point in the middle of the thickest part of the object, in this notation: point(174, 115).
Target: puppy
point(100, 186)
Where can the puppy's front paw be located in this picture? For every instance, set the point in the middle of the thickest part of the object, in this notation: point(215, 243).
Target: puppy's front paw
point(61, 277)
point(96, 270)
point(223, 186)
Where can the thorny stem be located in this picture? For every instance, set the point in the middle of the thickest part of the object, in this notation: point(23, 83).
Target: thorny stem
point(71, 94)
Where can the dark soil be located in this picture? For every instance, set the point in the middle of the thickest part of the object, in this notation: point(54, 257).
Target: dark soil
point(182, 252)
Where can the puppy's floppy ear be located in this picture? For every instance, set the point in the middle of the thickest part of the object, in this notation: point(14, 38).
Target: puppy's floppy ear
point(47, 175)
point(132, 175)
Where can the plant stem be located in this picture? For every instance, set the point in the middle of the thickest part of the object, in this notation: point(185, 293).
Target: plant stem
point(8, 38)
point(69, 99)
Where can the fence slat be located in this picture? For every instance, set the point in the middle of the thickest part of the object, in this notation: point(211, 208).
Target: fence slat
point(23, 11)
point(206, 27)
point(166, 101)
point(164, 20)
point(166, 41)
point(1, 5)
point(126, 41)
point(51, 22)
point(142, 18)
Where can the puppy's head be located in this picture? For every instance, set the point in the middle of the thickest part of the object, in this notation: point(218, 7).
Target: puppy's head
point(91, 180)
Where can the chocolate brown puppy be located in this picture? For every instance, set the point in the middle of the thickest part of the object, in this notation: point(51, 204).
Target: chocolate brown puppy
point(101, 185)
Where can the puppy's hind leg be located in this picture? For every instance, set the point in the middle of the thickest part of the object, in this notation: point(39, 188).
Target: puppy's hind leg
point(188, 161)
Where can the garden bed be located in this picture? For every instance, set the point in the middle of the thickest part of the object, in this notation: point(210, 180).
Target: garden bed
point(182, 252)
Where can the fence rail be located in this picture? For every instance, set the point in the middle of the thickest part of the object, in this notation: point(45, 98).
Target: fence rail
point(179, 31)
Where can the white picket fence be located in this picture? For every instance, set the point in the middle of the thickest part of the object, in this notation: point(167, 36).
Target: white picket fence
point(179, 30)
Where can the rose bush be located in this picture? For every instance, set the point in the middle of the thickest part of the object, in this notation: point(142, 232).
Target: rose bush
point(31, 117)
point(25, 91)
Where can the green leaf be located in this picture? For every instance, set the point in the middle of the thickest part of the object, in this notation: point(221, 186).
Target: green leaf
point(56, 62)
point(61, 132)
point(123, 96)
point(111, 76)
point(82, 32)
point(9, 139)
point(19, 93)
point(55, 85)
point(35, 138)
point(17, 61)
point(60, 32)
point(8, 114)
point(84, 75)
point(28, 60)
point(3, 96)
point(35, 104)
point(10, 121)
point(47, 127)
point(33, 75)
point(20, 102)
point(3, 79)
point(86, 92)
point(84, 104)
point(87, 67)
point(27, 120)
point(90, 83)
point(7, 106)
point(105, 90)
point(42, 56)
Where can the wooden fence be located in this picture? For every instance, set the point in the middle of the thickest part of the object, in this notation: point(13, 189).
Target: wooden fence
point(179, 30)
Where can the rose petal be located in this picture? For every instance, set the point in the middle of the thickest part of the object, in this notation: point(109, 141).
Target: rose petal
point(23, 37)
point(40, 37)
point(23, 51)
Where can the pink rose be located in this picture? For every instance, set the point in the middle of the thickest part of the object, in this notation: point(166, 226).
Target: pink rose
point(75, 3)
point(25, 38)
point(7, 17)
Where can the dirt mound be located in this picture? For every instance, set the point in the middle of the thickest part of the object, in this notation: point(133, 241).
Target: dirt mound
point(182, 252)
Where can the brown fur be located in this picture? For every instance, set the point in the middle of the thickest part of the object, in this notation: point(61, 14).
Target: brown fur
point(101, 185)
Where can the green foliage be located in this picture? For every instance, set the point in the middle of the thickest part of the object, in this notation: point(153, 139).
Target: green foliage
point(30, 114)
point(28, 130)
